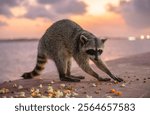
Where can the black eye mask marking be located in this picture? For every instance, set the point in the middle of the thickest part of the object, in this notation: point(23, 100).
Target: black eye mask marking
point(93, 52)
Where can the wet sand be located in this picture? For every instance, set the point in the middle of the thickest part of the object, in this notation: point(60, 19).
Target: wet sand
point(135, 70)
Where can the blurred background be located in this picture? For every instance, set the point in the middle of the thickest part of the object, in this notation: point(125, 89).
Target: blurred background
point(115, 18)
point(23, 22)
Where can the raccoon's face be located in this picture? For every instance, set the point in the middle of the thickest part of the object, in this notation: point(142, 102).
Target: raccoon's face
point(92, 46)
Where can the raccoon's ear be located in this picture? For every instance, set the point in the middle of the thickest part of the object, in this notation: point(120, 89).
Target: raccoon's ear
point(83, 39)
point(104, 40)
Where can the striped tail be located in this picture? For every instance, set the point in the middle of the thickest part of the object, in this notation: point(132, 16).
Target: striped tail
point(41, 61)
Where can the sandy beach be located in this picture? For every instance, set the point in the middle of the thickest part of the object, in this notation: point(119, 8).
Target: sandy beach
point(135, 70)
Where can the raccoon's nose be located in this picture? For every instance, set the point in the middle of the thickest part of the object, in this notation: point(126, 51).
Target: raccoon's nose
point(96, 58)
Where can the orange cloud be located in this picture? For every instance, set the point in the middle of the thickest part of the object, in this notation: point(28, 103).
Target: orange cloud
point(22, 27)
point(29, 19)
point(105, 25)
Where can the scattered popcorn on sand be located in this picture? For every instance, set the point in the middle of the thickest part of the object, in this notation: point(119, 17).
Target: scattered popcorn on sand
point(4, 90)
point(117, 93)
point(35, 92)
point(49, 91)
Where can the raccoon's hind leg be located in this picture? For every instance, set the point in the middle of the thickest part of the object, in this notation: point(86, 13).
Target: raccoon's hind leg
point(69, 71)
point(41, 61)
point(61, 64)
point(102, 66)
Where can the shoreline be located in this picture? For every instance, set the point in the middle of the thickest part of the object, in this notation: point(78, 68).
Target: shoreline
point(134, 70)
point(37, 39)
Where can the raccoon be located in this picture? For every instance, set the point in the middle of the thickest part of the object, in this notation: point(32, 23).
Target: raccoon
point(66, 39)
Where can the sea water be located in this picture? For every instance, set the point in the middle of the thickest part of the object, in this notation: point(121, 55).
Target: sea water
point(17, 57)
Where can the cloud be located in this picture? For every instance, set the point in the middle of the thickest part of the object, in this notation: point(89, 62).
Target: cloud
point(37, 11)
point(50, 9)
point(49, 1)
point(136, 13)
point(71, 7)
point(5, 6)
point(4, 10)
point(9, 2)
point(2, 23)
point(57, 9)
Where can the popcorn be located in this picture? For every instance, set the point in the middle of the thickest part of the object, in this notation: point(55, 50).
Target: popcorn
point(68, 95)
point(50, 89)
point(42, 96)
point(66, 91)
point(108, 96)
point(20, 87)
point(37, 91)
point(87, 96)
point(123, 85)
point(40, 86)
point(94, 85)
point(74, 94)
point(62, 85)
point(4, 90)
point(118, 93)
point(116, 82)
point(52, 82)
point(14, 85)
point(58, 94)
point(22, 94)
point(32, 90)
point(112, 90)
point(33, 94)
point(50, 95)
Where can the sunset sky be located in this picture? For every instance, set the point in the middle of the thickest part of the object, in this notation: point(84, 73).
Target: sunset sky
point(113, 18)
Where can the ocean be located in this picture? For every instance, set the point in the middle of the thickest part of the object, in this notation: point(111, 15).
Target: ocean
point(17, 57)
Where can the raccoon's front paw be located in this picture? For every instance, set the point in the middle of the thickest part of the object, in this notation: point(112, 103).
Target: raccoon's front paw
point(77, 77)
point(27, 76)
point(119, 79)
point(116, 78)
point(104, 79)
point(69, 79)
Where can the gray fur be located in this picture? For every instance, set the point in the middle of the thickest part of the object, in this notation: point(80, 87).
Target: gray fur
point(66, 39)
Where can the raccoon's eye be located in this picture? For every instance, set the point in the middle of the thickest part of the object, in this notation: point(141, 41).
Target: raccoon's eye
point(91, 52)
point(100, 51)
